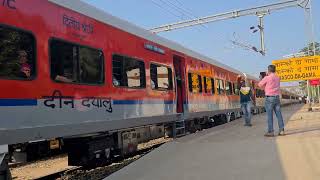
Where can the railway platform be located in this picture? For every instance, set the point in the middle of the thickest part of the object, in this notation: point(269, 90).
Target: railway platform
point(235, 152)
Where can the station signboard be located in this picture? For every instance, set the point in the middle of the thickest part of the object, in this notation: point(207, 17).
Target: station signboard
point(300, 68)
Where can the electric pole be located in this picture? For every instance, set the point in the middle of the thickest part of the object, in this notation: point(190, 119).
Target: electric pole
point(259, 11)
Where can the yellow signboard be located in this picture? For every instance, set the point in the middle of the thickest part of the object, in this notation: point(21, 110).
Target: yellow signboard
point(301, 68)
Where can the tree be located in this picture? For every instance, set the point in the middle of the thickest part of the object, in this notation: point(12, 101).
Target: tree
point(310, 48)
point(303, 86)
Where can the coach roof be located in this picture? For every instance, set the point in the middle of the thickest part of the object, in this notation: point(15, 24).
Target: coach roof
point(93, 12)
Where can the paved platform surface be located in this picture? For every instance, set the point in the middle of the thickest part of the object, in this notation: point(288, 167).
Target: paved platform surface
point(234, 152)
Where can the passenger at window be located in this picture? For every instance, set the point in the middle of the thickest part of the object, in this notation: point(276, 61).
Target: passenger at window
point(25, 68)
point(25, 71)
point(115, 81)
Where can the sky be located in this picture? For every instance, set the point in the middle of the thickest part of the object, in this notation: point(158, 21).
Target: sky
point(285, 30)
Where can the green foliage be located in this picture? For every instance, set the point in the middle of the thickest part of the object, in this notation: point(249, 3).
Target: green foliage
point(310, 47)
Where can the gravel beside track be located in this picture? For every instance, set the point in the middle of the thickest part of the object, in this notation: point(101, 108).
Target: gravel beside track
point(40, 168)
point(102, 172)
point(57, 167)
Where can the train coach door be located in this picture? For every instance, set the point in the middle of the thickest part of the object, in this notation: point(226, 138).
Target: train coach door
point(179, 69)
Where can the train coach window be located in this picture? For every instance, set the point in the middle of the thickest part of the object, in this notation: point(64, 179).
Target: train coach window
point(161, 77)
point(17, 54)
point(220, 87)
point(72, 63)
point(91, 66)
point(195, 83)
point(128, 72)
point(208, 85)
point(235, 88)
point(228, 88)
point(213, 86)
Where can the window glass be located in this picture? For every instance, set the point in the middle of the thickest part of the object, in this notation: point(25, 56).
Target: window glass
point(228, 88)
point(236, 88)
point(17, 54)
point(161, 77)
point(220, 87)
point(207, 85)
point(200, 83)
point(213, 85)
point(91, 66)
point(117, 68)
point(128, 72)
point(72, 63)
point(190, 82)
point(195, 83)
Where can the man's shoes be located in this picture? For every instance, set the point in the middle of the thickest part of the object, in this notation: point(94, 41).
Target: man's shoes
point(249, 125)
point(281, 133)
point(269, 134)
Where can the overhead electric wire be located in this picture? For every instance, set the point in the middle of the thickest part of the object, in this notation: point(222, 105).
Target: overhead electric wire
point(173, 9)
point(178, 2)
point(185, 8)
point(189, 13)
point(168, 11)
point(181, 10)
point(184, 12)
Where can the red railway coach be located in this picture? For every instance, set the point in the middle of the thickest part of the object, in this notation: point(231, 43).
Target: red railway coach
point(71, 71)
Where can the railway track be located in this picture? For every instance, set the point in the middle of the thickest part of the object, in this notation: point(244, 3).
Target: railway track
point(57, 175)
point(70, 173)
